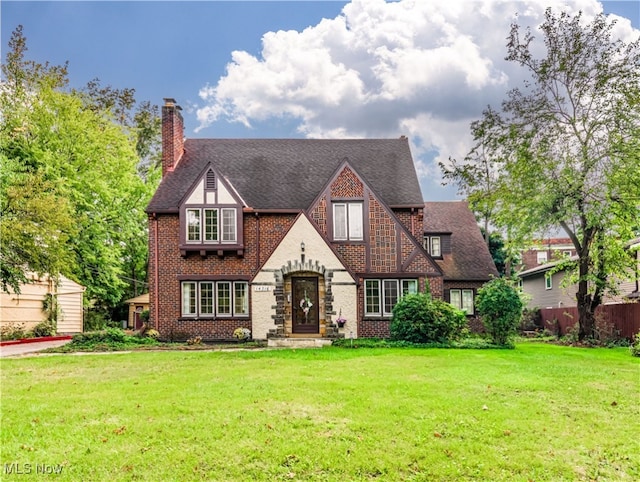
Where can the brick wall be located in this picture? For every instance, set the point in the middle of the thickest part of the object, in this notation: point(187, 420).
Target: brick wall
point(347, 185)
point(268, 230)
point(412, 220)
point(172, 135)
point(382, 239)
point(374, 329)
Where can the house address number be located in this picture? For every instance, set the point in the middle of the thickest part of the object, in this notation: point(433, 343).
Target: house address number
point(262, 288)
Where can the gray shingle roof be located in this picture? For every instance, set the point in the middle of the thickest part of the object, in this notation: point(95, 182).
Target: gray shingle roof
point(289, 173)
point(470, 259)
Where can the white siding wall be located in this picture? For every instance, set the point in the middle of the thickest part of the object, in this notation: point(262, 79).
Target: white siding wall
point(27, 306)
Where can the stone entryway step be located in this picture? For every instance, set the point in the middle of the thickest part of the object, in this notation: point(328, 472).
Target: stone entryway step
point(298, 342)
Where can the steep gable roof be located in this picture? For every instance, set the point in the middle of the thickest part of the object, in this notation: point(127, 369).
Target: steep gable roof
point(469, 259)
point(287, 174)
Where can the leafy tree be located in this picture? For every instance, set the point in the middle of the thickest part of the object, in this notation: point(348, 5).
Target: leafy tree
point(36, 219)
point(418, 318)
point(500, 253)
point(85, 199)
point(478, 175)
point(567, 147)
point(142, 123)
point(500, 308)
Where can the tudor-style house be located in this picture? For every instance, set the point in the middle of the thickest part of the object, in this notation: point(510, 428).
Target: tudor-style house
point(455, 242)
point(284, 236)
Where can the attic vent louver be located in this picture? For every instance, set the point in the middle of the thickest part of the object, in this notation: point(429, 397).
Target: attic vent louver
point(210, 180)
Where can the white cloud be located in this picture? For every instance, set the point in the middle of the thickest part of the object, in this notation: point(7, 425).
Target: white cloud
point(420, 68)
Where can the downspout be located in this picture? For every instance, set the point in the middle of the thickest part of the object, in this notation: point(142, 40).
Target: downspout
point(413, 211)
point(155, 270)
point(257, 242)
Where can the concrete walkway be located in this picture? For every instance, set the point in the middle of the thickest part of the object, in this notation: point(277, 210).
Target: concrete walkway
point(29, 348)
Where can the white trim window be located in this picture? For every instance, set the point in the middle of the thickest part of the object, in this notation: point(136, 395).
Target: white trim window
point(380, 296)
point(193, 225)
point(228, 225)
point(348, 221)
point(215, 225)
point(548, 281)
point(462, 299)
point(541, 257)
point(215, 298)
point(433, 246)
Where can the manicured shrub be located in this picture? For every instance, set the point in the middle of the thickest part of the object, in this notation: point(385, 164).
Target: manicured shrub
point(500, 308)
point(418, 318)
point(113, 337)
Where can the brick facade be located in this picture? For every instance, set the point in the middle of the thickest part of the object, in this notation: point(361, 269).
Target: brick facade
point(261, 235)
point(391, 248)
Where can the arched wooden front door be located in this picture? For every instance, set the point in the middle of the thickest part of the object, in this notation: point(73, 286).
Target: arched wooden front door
point(304, 305)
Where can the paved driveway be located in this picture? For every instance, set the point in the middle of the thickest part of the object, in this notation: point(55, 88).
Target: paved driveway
point(27, 348)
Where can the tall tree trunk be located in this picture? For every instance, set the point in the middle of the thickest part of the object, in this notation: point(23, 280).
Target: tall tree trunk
point(586, 308)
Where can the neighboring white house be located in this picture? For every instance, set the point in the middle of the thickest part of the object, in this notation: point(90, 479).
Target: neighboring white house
point(27, 307)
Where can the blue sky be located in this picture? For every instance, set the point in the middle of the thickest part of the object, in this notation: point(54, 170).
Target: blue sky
point(363, 68)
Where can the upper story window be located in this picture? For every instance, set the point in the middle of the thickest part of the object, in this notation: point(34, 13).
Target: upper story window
point(211, 225)
point(348, 221)
point(541, 257)
point(432, 245)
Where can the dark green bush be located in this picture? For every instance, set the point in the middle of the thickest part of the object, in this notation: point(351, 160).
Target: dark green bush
point(44, 328)
point(417, 318)
point(634, 347)
point(111, 336)
point(500, 308)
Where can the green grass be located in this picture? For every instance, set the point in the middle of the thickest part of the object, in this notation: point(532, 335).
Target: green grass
point(538, 412)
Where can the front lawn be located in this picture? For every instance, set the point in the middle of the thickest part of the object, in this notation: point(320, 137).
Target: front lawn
point(539, 412)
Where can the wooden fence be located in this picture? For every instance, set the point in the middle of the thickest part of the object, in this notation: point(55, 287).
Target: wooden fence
point(624, 318)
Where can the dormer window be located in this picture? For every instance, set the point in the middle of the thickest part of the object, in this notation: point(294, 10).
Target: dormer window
point(211, 217)
point(432, 246)
point(211, 225)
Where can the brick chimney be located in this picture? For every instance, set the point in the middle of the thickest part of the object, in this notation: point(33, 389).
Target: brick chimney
point(172, 135)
